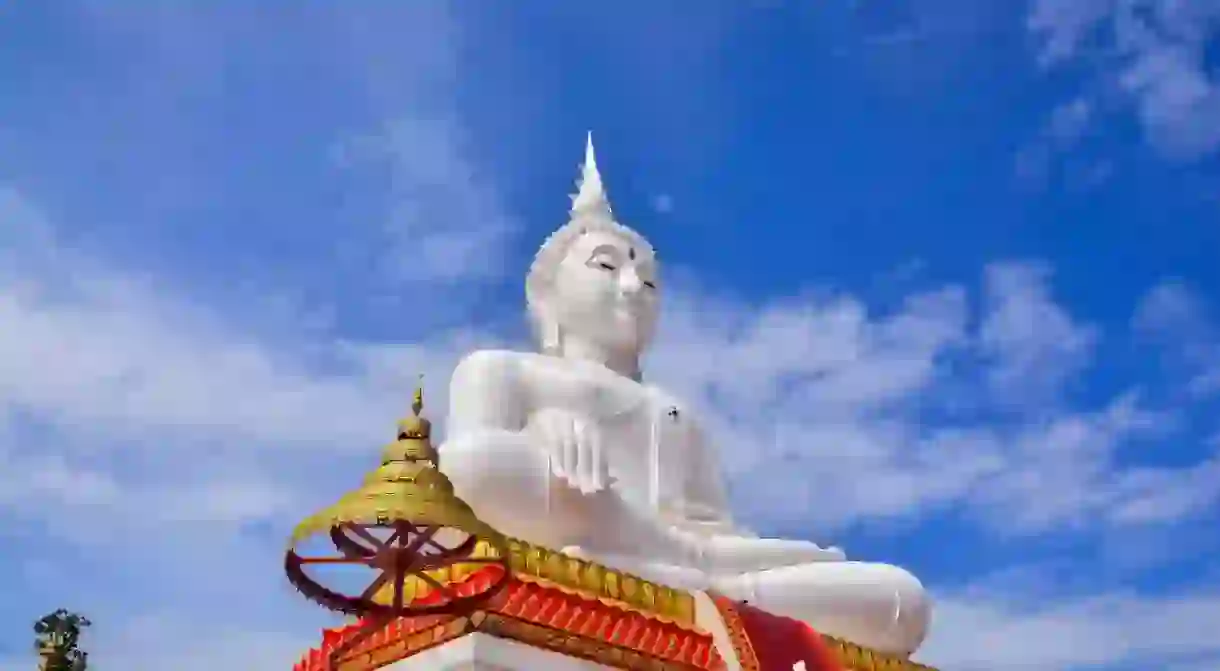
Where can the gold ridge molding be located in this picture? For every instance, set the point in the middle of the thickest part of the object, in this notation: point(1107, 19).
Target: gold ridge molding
point(593, 581)
point(585, 579)
point(859, 658)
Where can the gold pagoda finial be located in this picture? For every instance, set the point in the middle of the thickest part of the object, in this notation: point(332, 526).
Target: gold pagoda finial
point(416, 427)
point(417, 402)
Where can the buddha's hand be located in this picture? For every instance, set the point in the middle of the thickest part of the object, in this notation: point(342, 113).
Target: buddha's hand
point(574, 447)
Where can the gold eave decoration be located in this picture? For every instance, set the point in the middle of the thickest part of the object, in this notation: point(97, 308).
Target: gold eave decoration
point(859, 658)
point(590, 580)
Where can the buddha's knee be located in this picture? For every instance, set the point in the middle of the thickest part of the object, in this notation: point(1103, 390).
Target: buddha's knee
point(912, 608)
point(876, 605)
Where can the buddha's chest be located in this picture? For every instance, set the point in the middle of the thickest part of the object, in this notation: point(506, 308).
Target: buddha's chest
point(642, 427)
point(600, 397)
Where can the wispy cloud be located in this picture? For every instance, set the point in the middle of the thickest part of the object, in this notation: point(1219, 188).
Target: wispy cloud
point(1174, 315)
point(1004, 625)
point(1149, 57)
point(442, 217)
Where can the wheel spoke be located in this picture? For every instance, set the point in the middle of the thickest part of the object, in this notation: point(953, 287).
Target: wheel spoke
point(411, 549)
point(436, 544)
point(348, 545)
point(400, 580)
point(378, 583)
point(331, 560)
point(368, 537)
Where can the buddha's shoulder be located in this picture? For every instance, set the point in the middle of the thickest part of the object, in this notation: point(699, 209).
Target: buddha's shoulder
point(501, 362)
point(531, 371)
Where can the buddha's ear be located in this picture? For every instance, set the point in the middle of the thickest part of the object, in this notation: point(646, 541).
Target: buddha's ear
point(551, 337)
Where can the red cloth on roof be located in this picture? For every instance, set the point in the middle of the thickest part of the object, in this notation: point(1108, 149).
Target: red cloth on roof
point(780, 643)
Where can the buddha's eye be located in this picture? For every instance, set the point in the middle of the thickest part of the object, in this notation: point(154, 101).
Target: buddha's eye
point(650, 285)
point(605, 265)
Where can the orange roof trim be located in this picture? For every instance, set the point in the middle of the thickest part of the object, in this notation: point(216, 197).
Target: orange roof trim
point(534, 613)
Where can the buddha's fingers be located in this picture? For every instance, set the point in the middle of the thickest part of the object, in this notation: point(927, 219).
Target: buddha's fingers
point(550, 436)
point(543, 438)
point(588, 451)
point(570, 448)
point(600, 472)
point(599, 468)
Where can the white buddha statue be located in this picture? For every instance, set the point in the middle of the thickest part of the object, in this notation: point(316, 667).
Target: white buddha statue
point(569, 448)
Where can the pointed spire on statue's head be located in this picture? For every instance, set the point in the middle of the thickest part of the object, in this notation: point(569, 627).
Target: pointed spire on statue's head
point(590, 214)
point(591, 196)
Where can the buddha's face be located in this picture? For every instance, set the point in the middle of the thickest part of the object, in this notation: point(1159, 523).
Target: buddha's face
point(605, 291)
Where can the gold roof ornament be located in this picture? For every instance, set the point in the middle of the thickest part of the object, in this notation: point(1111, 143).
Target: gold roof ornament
point(407, 525)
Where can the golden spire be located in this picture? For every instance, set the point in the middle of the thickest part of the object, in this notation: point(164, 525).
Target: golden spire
point(414, 434)
point(417, 401)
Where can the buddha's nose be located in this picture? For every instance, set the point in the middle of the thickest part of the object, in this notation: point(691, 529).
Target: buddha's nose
point(629, 282)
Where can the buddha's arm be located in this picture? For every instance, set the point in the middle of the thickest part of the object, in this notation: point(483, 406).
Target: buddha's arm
point(485, 395)
point(492, 460)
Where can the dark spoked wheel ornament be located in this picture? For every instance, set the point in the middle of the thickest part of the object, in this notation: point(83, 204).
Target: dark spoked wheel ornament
point(401, 557)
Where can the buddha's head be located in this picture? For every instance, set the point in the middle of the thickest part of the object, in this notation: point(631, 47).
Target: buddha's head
point(594, 279)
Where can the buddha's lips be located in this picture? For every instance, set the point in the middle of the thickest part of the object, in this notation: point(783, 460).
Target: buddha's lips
point(627, 307)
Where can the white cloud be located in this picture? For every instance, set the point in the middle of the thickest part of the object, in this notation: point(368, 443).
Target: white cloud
point(1063, 25)
point(1070, 120)
point(163, 411)
point(1153, 54)
point(444, 220)
point(930, 405)
point(993, 627)
point(101, 348)
point(1172, 314)
point(1035, 346)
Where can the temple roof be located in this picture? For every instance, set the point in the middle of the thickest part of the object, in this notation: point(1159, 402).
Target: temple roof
point(605, 615)
point(533, 613)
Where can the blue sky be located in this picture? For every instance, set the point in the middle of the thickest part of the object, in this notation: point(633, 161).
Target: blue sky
point(941, 274)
